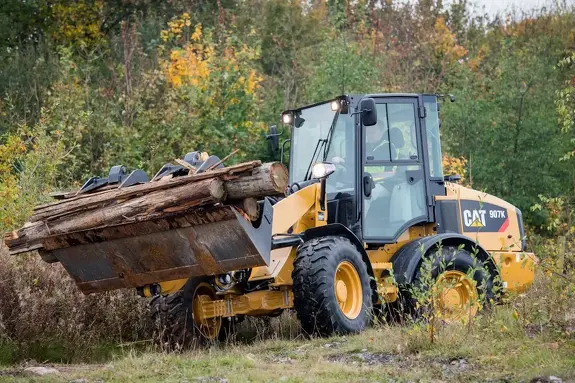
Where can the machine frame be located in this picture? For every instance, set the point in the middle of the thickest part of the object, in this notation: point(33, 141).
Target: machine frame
point(311, 212)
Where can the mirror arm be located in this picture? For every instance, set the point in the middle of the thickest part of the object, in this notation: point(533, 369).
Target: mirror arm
point(360, 112)
point(268, 136)
point(282, 149)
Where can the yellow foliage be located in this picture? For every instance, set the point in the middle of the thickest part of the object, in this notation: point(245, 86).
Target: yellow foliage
point(78, 22)
point(474, 62)
point(445, 42)
point(454, 165)
point(214, 80)
point(186, 67)
point(11, 152)
point(197, 35)
point(253, 82)
point(191, 61)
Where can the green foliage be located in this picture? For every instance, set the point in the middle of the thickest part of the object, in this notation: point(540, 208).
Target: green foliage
point(28, 164)
point(565, 104)
point(205, 97)
point(21, 22)
point(340, 67)
point(7, 352)
point(502, 122)
point(106, 73)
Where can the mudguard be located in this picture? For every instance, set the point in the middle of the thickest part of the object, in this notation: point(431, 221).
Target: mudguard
point(407, 259)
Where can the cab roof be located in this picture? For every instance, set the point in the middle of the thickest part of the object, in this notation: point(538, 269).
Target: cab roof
point(355, 98)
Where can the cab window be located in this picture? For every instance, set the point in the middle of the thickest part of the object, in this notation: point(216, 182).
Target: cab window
point(393, 138)
point(433, 141)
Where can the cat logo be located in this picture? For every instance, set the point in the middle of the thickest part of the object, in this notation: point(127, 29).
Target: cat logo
point(474, 218)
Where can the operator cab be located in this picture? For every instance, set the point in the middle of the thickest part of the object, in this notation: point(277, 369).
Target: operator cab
point(387, 154)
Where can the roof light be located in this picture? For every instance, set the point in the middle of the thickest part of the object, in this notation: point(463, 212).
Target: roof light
point(335, 105)
point(287, 118)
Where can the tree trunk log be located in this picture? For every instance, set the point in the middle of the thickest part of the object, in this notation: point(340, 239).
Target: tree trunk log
point(99, 199)
point(122, 211)
point(266, 180)
point(242, 184)
point(250, 207)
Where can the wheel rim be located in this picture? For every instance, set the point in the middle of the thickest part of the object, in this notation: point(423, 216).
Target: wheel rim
point(456, 297)
point(209, 327)
point(348, 291)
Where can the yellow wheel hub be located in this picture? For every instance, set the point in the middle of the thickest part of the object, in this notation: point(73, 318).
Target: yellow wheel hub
point(209, 327)
point(456, 297)
point(348, 291)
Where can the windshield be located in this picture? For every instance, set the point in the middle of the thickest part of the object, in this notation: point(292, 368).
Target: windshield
point(340, 148)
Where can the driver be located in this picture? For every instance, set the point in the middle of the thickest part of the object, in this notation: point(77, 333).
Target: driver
point(377, 141)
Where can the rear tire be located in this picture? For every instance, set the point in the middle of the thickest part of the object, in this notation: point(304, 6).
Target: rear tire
point(460, 299)
point(175, 326)
point(331, 286)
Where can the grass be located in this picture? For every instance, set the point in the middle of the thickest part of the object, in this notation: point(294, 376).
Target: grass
point(44, 320)
point(57, 351)
point(495, 348)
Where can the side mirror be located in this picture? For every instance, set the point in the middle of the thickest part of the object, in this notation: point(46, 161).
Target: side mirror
point(368, 112)
point(274, 138)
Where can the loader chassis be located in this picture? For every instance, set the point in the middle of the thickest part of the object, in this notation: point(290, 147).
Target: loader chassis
point(386, 206)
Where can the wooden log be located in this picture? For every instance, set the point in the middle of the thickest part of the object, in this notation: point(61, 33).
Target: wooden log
point(186, 165)
point(266, 180)
point(99, 199)
point(250, 207)
point(241, 184)
point(207, 191)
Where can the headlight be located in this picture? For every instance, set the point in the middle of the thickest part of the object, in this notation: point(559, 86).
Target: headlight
point(322, 169)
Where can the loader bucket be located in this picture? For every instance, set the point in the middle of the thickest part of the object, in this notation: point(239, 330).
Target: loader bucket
point(206, 241)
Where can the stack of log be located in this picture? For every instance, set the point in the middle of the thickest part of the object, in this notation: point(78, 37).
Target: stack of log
point(239, 185)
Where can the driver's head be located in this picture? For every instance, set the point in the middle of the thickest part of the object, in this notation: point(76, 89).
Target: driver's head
point(375, 133)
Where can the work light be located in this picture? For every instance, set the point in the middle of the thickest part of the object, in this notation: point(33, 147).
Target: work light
point(287, 118)
point(334, 105)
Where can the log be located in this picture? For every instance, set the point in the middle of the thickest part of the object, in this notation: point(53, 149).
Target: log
point(267, 180)
point(99, 199)
point(124, 211)
point(250, 207)
point(241, 185)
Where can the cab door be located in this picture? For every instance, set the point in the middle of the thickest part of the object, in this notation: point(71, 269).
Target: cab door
point(393, 182)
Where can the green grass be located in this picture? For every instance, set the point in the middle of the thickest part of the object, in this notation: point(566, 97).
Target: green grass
point(496, 348)
point(8, 352)
point(57, 351)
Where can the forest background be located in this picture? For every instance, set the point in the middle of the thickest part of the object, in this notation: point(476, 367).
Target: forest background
point(88, 84)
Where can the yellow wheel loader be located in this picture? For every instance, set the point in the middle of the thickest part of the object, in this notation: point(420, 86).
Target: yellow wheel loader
point(367, 207)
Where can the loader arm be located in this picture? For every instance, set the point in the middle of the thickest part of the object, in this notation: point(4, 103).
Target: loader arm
point(299, 211)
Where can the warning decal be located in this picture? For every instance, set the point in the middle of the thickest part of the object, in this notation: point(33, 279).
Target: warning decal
point(483, 217)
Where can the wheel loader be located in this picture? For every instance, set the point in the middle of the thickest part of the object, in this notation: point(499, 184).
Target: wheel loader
point(367, 207)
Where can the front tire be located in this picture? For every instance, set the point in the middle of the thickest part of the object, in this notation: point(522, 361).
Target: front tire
point(331, 286)
point(176, 318)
